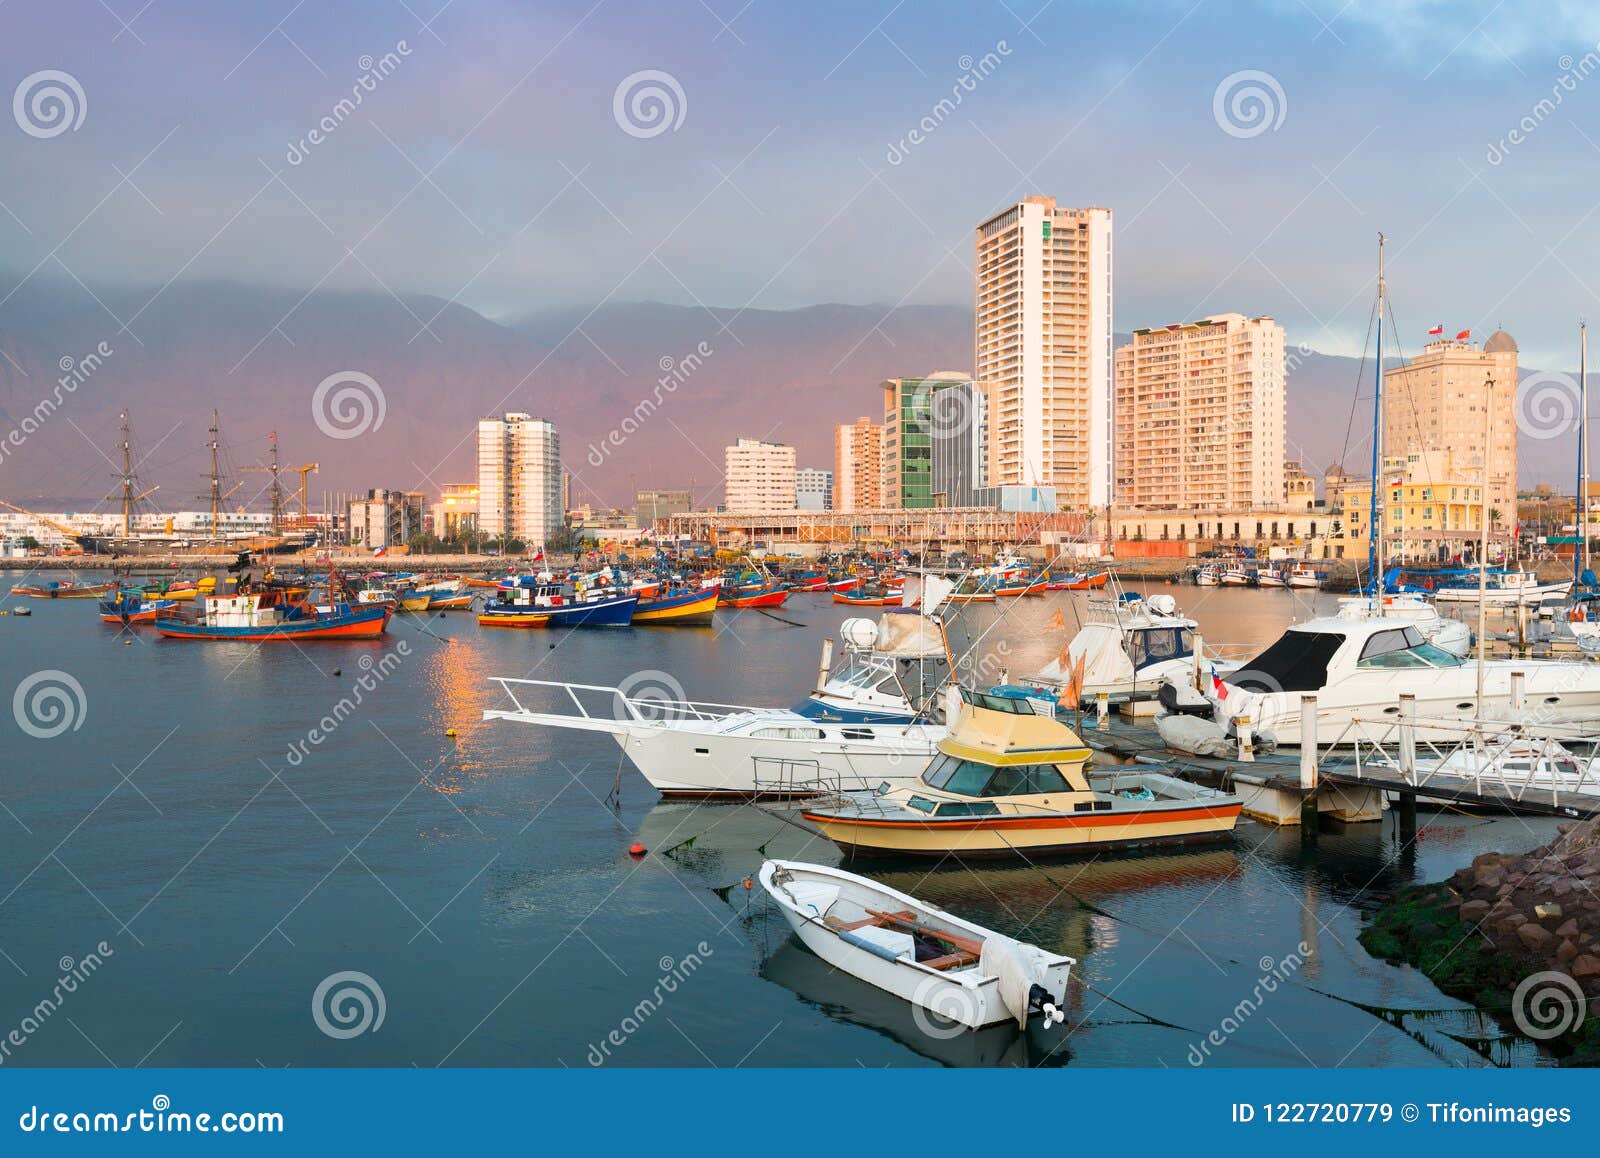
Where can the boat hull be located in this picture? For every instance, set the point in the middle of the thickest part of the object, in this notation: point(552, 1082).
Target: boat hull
point(1012, 836)
point(511, 619)
point(688, 609)
point(760, 599)
point(367, 623)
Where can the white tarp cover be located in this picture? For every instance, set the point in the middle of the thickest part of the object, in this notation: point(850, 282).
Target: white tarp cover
point(1017, 968)
point(909, 636)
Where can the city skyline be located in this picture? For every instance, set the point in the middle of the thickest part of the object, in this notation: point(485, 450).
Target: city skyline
point(512, 186)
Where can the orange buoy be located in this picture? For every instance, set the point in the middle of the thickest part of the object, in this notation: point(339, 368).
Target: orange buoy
point(748, 883)
point(636, 849)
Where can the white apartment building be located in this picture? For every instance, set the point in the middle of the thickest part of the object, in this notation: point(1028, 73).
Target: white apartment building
point(1044, 348)
point(520, 480)
point(1200, 416)
point(760, 476)
point(813, 489)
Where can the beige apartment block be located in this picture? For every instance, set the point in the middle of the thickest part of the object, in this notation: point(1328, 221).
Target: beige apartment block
point(760, 476)
point(521, 484)
point(1044, 349)
point(1200, 415)
point(858, 466)
point(1437, 403)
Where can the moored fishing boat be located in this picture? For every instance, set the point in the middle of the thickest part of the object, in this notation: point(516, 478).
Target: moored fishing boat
point(1305, 578)
point(1085, 581)
point(414, 600)
point(948, 966)
point(1270, 576)
point(678, 608)
point(269, 615)
point(541, 602)
point(131, 607)
point(869, 595)
point(767, 595)
point(1022, 585)
point(1008, 782)
point(447, 601)
point(55, 589)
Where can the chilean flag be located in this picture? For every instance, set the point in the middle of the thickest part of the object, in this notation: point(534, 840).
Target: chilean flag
point(1439, 329)
point(1463, 335)
point(1218, 688)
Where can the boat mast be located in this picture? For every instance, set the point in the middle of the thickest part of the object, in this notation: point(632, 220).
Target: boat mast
point(277, 487)
point(127, 478)
point(1581, 548)
point(216, 481)
point(1375, 513)
point(1483, 540)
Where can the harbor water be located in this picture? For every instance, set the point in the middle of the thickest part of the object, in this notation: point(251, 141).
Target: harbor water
point(242, 837)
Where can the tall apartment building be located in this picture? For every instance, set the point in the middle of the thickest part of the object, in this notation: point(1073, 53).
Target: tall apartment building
point(908, 412)
point(1200, 415)
point(1436, 403)
point(959, 428)
point(759, 477)
point(813, 489)
point(521, 486)
point(858, 466)
point(1044, 348)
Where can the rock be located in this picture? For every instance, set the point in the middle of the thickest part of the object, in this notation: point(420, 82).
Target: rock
point(1585, 966)
point(1504, 890)
point(1474, 911)
point(1570, 929)
point(1548, 911)
point(1490, 881)
point(1538, 939)
point(1566, 952)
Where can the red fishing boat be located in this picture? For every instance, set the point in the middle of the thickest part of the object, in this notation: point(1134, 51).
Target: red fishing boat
point(1025, 585)
point(277, 615)
point(1087, 581)
point(768, 596)
point(868, 597)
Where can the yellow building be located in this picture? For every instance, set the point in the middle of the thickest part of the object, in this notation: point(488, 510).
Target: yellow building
point(1432, 507)
point(1436, 404)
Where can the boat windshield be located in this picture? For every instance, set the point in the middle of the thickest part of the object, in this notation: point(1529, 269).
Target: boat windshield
point(1298, 662)
point(1159, 644)
point(970, 778)
point(1404, 647)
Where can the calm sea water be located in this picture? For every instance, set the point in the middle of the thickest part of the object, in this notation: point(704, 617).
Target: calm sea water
point(231, 866)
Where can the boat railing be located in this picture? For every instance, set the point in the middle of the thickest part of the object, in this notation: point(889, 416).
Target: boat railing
point(1496, 758)
point(641, 706)
point(787, 776)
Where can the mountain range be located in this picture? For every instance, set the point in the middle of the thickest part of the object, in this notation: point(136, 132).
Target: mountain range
point(704, 376)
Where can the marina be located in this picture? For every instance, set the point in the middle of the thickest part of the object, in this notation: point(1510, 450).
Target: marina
point(506, 835)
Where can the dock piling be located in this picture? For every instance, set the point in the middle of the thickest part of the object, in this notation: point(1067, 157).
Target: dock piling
point(1308, 767)
point(1408, 767)
point(1247, 747)
point(1102, 710)
point(1197, 670)
point(1519, 681)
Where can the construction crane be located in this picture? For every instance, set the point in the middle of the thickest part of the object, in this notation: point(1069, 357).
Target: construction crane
point(70, 532)
point(273, 469)
point(309, 468)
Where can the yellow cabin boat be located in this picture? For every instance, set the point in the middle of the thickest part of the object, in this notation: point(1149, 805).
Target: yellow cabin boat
point(1007, 782)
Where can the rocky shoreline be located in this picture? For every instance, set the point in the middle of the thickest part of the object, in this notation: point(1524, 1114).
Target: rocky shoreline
point(1518, 936)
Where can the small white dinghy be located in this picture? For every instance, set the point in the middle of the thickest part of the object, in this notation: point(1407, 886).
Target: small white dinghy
point(953, 969)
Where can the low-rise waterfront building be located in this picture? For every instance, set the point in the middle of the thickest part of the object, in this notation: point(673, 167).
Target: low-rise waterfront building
point(813, 489)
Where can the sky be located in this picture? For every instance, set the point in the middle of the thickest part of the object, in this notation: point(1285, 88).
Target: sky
point(521, 156)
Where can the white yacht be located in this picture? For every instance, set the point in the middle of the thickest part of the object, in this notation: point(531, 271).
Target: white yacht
point(889, 675)
point(1128, 646)
point(724, 750)
point(1450, 634)
point(1359, 667)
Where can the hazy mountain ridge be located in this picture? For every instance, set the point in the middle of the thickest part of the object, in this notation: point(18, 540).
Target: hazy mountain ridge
point(258, 354)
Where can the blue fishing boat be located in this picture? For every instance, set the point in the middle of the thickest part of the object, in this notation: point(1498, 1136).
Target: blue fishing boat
point(552, 604)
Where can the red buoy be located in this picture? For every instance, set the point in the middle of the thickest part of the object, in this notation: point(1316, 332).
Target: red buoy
point(636, 849)
point(748, 883)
